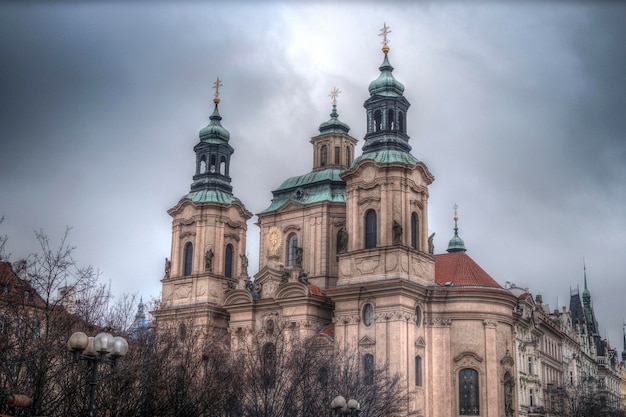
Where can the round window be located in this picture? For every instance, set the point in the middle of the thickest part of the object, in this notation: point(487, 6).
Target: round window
point(368, 314)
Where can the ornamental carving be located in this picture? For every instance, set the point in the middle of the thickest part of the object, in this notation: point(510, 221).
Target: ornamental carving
point(367, 265)
point(269, 289)
point(490, 323)
point(347, 319)
point(433, 321)
point(420, 342)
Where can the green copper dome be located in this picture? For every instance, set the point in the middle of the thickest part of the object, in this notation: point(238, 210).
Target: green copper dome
point(334, 125)
point(214, 132)
point(456, 244)
point(386, 84)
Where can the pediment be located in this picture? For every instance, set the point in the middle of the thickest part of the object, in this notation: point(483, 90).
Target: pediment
point(290, 206)
point(420, 342)
point(468, 355)
point(292, 290)
point(367, 341)
point(238, 296)
point(267, 274)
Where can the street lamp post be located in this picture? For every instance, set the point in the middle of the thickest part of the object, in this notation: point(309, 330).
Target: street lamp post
point(103, 348)
point(340, 406)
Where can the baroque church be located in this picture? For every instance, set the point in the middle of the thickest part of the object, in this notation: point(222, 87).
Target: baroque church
point(345, 255)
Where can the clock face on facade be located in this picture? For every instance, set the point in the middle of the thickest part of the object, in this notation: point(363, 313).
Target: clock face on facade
point(273, 240)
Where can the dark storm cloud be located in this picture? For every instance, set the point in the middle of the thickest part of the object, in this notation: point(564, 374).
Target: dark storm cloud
point(516, 109)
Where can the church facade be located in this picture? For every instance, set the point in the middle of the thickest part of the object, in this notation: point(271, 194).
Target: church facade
point(345, 254)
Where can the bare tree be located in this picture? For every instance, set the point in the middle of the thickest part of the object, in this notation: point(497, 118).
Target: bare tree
point(286, 376)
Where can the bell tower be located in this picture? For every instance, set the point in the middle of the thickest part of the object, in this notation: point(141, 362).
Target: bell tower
point(208, 235)
point(387, 193)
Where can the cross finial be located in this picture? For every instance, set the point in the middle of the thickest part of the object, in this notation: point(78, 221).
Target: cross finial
point(333, 95)
point(455, 207)
point(216, 85)
point(384, 32)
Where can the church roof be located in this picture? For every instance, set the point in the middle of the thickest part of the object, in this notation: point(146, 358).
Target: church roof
point(319, 185)
point(457, 269)
point(387, 156)
point(210, 196)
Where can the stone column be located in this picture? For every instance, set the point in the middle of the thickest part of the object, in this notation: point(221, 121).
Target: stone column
point(491, 360)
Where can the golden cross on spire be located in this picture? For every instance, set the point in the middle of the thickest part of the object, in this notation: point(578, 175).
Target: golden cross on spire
point(455, 207)
point(217, 84)
point(384, 32)
point(333, 95)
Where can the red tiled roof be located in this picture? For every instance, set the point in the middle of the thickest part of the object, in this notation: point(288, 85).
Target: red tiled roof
point(329, 330)
point(459, 269)
point(315, 290)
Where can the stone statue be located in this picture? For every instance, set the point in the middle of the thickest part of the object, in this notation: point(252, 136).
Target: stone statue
point(230, 286)
point(285, 276)
point(303, 278)
point(168, 267)
point(208, 260)
point(431, 245)
point(343, 240)
point(244, 264)
point(508, 397)
point(299, 252)
point(249, 285)
point(397, 233)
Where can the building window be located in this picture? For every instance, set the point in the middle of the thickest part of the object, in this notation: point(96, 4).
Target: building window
point(269, 365)
point(401, 126)
point(188, 259)
point(324, 155)
point(418, 316)
point(414, 231)
point(390, 120)
point(292, 249)
point(531, 398)
point(370, 229)
point(368, 314)
point(348, 155)
point(530, 365)
point(228, 261)
point(203, 164)
point(418, 371)
point(378, 117)
point(368, 369)
point(223, 166)
point(468, 392)
point(337, 154)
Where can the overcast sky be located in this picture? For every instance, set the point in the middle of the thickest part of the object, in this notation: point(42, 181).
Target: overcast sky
point(518, 110)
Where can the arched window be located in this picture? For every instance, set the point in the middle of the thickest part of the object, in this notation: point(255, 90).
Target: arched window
point(223, 166)
point(188, 259)
point(418, 371)
point(368, 369)
point(269, 365)
point(401, 126)
point(390, 120)
point(378, 119)
point(292, 249)
point(213, 163)
point(337, 154)
point(228, 261)
point(414, 231)
point(202, 168)
point(370, 229)
point(469, 404)
point(348, 155)
point(324, 155)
